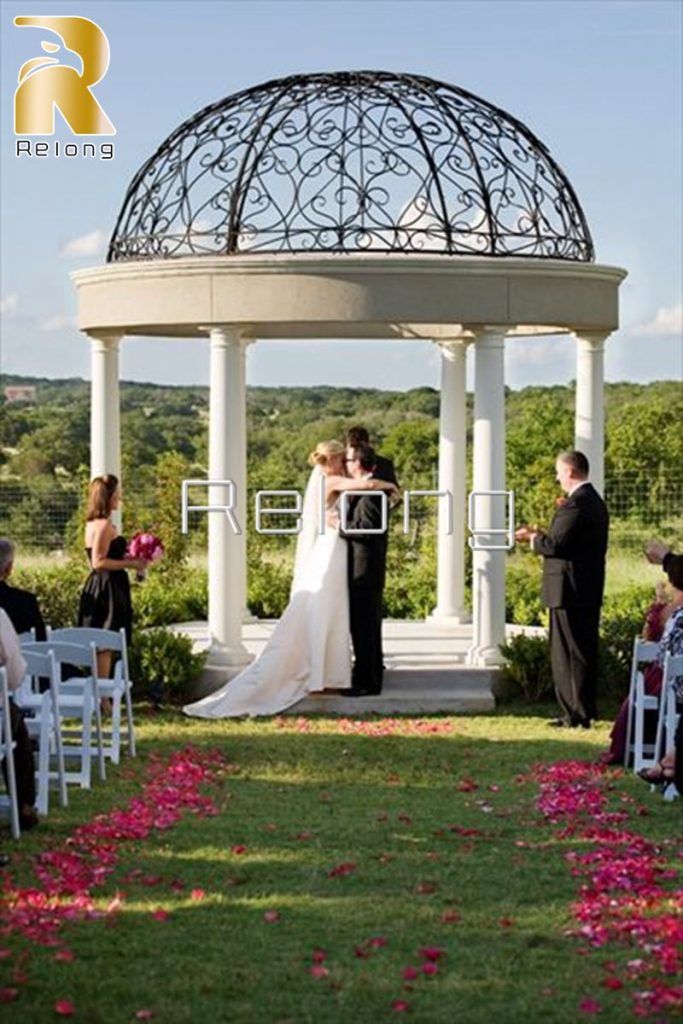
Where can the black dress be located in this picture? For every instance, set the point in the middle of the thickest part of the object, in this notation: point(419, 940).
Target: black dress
point(105, 600)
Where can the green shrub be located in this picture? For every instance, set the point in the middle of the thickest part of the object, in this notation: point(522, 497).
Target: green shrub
point(527, 668)
point(58, 589)
point(162, 598)
point(523, 596)
point(268, 589)
point(163, 665)
point(623, 616)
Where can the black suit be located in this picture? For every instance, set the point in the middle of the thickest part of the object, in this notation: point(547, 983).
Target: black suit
point(366, 574)
point(22, 609)
point(574, 551)
point(384, 470)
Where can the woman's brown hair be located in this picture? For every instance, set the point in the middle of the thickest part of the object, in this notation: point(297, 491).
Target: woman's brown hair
point(102, 491)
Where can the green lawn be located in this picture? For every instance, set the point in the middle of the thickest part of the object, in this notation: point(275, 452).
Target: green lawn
point(437, 842)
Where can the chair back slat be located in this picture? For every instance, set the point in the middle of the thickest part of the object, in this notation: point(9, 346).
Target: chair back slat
point(80, 655)
point(104, 639)
point(37, 663)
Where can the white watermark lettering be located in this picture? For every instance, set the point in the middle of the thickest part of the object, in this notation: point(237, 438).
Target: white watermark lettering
point(228, 509)
point(276, 511)
point(344, 512)
point(428, 494)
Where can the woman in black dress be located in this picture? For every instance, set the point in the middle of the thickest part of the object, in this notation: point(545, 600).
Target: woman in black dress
point(105, 600)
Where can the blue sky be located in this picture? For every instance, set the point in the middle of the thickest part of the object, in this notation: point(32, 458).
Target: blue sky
point(599, 82)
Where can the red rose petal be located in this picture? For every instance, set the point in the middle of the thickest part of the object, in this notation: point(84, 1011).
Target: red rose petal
point(65, 956)
point(64, 1008)
point(8, 995)
point(271, 916)
point(400, 1006)
point(319, 971)
point(590, 1006)
point(450, 917)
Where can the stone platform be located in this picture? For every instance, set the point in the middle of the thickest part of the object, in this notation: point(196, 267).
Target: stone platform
point(425, 671)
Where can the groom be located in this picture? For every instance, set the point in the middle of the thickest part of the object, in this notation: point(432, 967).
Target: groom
point(367, 572)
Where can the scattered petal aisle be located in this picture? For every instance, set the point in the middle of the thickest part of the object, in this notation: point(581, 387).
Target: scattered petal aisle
point(627, 895)
point(67, 876)
point(622, 897)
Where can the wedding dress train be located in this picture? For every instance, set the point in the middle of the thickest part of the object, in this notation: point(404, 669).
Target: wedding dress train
point(309, 649)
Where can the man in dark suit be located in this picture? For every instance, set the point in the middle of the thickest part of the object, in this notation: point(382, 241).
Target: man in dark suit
point(21, 605)
point(366, 575)
point(384, 468)
point(573, 550)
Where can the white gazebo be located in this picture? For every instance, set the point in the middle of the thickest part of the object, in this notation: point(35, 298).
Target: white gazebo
point(356, 205)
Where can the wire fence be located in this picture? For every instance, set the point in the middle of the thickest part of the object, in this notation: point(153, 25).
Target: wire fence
point(49, 518)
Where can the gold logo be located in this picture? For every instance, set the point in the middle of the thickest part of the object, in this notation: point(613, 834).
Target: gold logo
point(45, 84)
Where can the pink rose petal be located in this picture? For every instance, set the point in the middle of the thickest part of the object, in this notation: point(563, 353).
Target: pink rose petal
point(64, 1008)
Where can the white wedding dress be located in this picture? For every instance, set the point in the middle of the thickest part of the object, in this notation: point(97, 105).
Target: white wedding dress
point(309, 649)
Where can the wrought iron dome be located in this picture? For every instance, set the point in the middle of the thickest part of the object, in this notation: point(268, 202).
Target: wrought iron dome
point(349, 162)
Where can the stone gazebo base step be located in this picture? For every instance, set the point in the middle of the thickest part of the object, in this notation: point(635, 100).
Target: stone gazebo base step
point(426, 671)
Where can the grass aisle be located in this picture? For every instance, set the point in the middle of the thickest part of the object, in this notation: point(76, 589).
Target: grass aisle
point(356, 872)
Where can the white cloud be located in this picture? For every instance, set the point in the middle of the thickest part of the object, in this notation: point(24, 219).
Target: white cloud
point(58, 322)
point(85, 245)
point(9, 304)
point(667, 321)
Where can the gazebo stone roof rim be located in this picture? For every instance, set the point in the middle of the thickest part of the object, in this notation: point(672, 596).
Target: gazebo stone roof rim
point(324, 297)
point(350, 161)
point(368, 262)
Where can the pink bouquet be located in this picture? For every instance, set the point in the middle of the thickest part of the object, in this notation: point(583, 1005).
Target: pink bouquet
point(147, 546)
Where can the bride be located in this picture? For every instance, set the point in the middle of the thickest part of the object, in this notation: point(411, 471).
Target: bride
point(309, 649)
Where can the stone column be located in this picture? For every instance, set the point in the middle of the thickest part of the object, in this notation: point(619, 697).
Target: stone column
point(488, 567)
point(450, 604)
point(243, 510)
point(105, 429)
point(589, 430)
point(227, 573)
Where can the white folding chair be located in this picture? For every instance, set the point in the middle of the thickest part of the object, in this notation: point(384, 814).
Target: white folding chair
point(672, 679)
point(116, 689)
point(644, 755)
point(6, 750)
point(27, 637)
point(79, 701)
point(43, 723)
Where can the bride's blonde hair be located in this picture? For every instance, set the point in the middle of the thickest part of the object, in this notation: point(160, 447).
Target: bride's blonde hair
point(324, 452)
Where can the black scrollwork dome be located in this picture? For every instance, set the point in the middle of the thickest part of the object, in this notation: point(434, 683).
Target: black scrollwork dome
point(351, 162)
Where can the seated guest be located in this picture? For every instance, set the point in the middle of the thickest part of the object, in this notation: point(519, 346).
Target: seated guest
point(12, 661)
point(656, 618)
point(670, 768)
point(21, 605)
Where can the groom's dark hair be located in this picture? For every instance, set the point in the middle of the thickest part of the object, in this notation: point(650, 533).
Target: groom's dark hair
point(365, 456)
point(356, 436)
